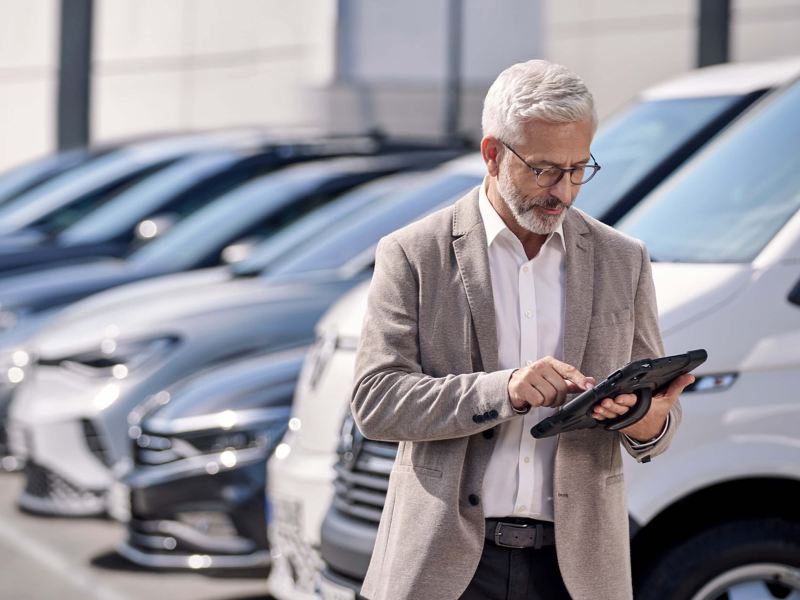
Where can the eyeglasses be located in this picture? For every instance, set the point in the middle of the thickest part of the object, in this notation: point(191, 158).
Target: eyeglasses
point(549, 176)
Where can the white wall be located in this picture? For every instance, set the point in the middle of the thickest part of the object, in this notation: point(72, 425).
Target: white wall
point(342, 64)
point(204, 63)
point(621, 46)
point(28, 49)
point(392, 61)
point(764, 28)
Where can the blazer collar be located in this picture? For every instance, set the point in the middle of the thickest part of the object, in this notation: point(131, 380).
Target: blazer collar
point(472, 256)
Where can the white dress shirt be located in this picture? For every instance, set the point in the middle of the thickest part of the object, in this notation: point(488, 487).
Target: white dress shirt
point(529, 310)
point(529, 313)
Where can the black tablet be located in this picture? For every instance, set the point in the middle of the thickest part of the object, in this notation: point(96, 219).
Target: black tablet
point(643, 377)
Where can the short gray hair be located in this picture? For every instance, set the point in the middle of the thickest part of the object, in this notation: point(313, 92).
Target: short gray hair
point(536, 89)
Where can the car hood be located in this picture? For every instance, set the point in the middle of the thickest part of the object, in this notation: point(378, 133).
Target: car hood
point(195, 309)
point(259, 382)
point(687, 292)
point(124, 298)
point(47, 288)
point(344, 319)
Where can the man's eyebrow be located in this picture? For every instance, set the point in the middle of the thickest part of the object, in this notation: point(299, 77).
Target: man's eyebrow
point(550, 163)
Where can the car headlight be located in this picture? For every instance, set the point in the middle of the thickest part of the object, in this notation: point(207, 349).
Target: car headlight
point(117, 358)
point(152, 448)
point(15, 366)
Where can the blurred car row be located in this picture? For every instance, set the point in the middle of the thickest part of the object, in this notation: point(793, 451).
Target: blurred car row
point(177, 311)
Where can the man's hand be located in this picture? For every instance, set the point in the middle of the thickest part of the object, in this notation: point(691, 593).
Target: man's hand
point(652, 424)
point(545, 382)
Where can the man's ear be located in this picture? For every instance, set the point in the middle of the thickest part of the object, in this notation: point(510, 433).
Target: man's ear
point(489, 151)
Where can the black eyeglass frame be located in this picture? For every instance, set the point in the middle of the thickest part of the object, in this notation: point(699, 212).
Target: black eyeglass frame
point(537, 171)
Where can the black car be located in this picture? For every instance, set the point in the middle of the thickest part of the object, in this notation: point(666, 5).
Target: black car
point(195, 497)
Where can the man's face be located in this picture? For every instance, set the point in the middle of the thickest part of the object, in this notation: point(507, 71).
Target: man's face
point(542, 209)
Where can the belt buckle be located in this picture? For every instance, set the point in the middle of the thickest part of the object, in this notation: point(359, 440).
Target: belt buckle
point(537, 534)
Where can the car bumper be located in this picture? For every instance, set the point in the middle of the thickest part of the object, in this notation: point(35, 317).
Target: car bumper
point(196, 514)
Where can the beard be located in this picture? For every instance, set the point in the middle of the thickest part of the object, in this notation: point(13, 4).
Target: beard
point(523, 208)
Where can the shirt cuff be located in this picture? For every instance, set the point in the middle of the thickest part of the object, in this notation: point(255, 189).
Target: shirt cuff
point(637, 445)
point(521, 411)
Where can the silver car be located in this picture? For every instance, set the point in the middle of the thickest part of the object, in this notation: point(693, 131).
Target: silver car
point(107, 354)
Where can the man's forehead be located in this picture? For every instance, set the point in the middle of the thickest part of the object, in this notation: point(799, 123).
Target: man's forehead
point(555, 142)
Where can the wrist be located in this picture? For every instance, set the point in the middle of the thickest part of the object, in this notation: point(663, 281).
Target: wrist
point(647, 429)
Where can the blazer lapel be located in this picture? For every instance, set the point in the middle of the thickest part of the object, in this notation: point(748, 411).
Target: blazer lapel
point(472, 257)
point(579, 287)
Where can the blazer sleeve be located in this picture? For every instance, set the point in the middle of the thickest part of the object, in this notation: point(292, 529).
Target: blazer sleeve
point(647, 343)
point(393, 400)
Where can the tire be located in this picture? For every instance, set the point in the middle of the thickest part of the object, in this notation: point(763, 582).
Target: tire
point(736, 561)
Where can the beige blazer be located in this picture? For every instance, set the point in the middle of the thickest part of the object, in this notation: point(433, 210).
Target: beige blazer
point(427, 364)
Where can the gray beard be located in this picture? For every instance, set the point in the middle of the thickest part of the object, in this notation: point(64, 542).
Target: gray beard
point(523, 209)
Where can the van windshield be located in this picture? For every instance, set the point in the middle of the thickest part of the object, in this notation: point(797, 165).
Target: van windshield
point(638, 139)
point(726, 205)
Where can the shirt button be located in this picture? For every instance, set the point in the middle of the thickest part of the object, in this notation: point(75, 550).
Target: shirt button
point(528, 314)
point(525, 269)
point(528, 362)
point(521, 509)
point(527, 460)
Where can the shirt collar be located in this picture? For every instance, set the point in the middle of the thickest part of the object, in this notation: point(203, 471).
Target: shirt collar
point(494, 224)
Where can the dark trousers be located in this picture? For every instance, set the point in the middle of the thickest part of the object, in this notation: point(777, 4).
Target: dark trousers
point(516, 574)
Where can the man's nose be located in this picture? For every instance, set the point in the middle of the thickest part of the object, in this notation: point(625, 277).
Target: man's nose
point(564, 190)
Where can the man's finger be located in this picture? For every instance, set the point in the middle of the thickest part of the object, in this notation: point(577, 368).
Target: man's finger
point(575, 389)
point(572, 374)
point(677, 386)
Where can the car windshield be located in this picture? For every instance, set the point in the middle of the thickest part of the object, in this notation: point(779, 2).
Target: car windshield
point(144, 199)
point(245, 207)
point(22, 178)
point(319, 222)
point(358, 234)
point(638, 139)
point(732, 199)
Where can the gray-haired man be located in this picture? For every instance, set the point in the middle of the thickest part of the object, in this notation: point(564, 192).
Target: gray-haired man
point(481, 319)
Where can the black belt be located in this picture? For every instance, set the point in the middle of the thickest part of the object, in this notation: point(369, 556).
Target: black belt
point(514, 532)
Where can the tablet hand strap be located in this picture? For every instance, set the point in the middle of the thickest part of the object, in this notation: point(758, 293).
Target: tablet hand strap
point(643, 398)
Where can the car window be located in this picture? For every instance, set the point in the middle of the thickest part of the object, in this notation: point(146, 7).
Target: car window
point(729, 202)
point(56, 221)
point(137, 202)
point(255, 211)
point(638, 139)
point(320, 222)
point(344, 243)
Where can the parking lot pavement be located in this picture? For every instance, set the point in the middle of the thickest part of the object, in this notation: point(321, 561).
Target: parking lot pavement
point(72, 559)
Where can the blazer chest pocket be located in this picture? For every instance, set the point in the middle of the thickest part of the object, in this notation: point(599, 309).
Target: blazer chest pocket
point(612, 317)
point(418, 470)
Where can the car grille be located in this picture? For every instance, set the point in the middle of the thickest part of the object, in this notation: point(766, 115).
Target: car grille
point(362, 474)
point(41, 482)
point(95, 442)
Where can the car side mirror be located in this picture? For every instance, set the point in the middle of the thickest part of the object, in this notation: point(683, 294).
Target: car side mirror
point(794, 295)
point(238, 250)
point(155, 226)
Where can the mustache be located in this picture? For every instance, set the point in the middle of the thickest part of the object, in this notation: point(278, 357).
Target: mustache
point(550, 203)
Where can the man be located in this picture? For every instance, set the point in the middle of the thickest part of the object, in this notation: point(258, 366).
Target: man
point(481, 319)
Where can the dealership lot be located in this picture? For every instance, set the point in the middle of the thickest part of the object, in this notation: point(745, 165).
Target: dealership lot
point(74, 559)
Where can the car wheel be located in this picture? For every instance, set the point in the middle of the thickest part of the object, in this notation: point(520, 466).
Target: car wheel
point(746, 560)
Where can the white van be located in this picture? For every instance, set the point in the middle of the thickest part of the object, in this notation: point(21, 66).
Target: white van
point(718, 515)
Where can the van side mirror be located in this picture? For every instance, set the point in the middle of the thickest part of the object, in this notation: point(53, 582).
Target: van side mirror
point(794, 295)
point(155, 226)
